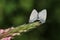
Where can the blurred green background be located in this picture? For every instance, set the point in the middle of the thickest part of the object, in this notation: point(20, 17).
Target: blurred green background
point(17, 12)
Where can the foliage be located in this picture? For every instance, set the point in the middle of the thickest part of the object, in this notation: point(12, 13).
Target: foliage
point(16, 12)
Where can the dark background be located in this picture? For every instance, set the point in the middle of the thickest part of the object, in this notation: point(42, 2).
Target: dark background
point(17, 12)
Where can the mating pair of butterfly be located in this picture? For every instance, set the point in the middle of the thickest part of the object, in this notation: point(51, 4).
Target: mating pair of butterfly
point(41, 16)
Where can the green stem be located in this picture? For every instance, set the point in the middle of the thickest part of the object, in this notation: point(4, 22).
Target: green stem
point(23, 28)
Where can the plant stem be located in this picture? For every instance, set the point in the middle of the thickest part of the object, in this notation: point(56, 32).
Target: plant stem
point(22, 28)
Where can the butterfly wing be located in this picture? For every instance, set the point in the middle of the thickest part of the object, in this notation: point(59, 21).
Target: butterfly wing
point(42, 16)
point(33, 16)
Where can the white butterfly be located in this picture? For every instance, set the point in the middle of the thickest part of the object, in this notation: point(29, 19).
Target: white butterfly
point(41, 16)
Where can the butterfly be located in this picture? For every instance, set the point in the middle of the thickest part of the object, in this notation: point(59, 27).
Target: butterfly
point(41, 16)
